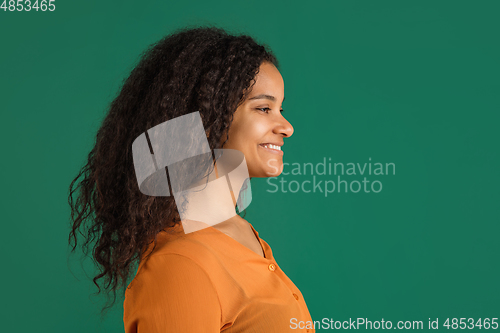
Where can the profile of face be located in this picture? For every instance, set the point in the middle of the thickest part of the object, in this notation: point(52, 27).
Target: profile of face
point(258, 126)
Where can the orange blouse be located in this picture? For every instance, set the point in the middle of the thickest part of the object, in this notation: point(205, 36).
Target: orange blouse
point(206, 281)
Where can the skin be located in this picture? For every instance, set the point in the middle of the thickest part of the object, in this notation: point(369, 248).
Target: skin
point(256, 121)
point(259, 120)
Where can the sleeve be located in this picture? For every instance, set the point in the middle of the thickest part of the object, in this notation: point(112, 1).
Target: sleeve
point(171, 293)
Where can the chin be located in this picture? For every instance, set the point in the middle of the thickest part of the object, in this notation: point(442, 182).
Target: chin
point(271, 174)
point(274, 171)
point(274, 168)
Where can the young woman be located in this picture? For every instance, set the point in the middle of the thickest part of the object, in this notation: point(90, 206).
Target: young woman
point(221, 277)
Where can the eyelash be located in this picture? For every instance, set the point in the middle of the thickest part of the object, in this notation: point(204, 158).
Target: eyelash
point(261, 109)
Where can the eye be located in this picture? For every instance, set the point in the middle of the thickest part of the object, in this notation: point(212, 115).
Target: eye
point(266, 110)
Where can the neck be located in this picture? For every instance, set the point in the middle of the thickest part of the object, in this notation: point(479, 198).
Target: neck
point(213, 201)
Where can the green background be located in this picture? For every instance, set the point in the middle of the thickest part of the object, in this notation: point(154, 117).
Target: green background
point(405, 82)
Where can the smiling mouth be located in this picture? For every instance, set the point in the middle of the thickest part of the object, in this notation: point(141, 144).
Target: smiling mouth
point(270, 146)
point(275, 149)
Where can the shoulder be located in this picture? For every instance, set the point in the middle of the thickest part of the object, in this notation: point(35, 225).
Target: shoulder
point(165, 268)
point(181, 255)
point(199, 247)
point(169, 292)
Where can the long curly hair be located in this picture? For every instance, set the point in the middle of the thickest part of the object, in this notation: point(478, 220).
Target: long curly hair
point(201, 69)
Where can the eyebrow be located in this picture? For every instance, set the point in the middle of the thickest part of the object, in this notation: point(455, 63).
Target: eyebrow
point(264, 96)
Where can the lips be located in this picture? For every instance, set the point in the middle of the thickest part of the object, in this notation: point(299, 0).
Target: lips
point(273, 143)
point(272, 147)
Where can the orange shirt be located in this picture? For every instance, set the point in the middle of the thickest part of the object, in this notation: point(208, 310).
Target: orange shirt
point(206, 281)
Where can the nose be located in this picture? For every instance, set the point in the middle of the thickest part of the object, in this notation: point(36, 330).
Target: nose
point(283, 127)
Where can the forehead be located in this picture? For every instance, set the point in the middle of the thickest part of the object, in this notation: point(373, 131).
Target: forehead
point(269, 81)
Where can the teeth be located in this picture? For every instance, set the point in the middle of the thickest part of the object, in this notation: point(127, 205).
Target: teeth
point(271, 146)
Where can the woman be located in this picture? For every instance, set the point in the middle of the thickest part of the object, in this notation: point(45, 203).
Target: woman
point(218, 277)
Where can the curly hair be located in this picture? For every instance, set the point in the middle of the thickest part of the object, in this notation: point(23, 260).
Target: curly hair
point(201, 69)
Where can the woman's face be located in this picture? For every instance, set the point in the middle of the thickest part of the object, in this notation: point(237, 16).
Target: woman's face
point(258, 127)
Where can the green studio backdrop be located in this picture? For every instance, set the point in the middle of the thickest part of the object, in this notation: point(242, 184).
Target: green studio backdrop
point(406, 91)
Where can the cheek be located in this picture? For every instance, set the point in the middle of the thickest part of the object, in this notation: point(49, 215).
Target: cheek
point(259, 128)
point(254, 132)
point(246, 133)
point(250, 134)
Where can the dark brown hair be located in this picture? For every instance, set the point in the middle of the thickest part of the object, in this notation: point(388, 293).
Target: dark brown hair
point(201, 69)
